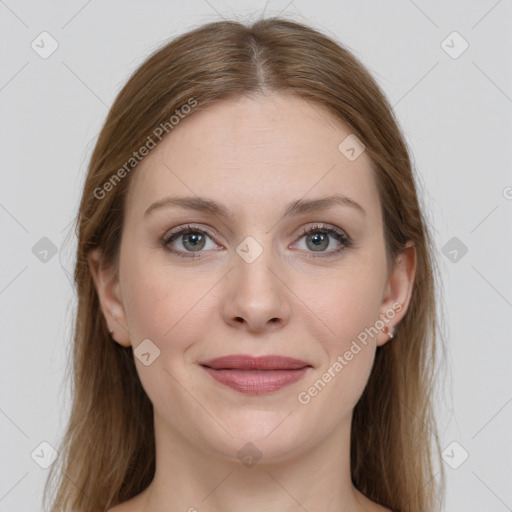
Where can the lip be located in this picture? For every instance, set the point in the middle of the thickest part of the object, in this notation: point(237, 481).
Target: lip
point(247, 362)
point(256, 375)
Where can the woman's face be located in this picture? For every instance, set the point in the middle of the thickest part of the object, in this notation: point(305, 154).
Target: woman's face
point(246, 280)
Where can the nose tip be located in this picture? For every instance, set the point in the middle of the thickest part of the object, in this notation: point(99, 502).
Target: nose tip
point(241, 320)
point(256, 298)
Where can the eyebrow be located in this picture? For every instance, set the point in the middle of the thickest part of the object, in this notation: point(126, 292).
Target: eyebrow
point(294, 208)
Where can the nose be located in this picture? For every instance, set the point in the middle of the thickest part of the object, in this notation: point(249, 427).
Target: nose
point(256, 296)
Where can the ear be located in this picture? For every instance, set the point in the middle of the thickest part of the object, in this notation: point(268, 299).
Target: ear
point(106, 282)
point(398, 292)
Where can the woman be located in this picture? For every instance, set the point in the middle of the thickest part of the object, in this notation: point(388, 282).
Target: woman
point(256, 324)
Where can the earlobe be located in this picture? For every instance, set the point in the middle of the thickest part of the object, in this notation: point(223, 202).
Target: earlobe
point(107, 287)
point(398, 292)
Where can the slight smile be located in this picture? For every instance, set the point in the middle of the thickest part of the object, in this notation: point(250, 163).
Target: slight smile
point(256, 375)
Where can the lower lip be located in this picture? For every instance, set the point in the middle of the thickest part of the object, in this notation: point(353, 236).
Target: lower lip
point(257, 382)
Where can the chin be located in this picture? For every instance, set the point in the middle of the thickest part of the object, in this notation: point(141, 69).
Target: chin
point(269, 436)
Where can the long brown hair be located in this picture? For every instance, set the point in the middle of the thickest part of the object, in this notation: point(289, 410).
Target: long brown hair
point(107, 454)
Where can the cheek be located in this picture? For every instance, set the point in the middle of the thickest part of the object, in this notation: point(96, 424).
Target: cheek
point(161, 306)
point(348, 355)
point(345, 303)
point(149, 301)
point(348, 305)
point(160, 300)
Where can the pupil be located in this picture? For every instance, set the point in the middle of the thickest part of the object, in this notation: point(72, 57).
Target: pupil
point(193, 239)
point(318, 239)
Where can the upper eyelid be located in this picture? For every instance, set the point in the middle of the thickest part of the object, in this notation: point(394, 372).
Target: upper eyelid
point(190, 227)
point(319, 226)
point(303, 231)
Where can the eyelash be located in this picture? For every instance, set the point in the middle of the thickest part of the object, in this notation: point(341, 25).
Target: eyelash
point(342, 237)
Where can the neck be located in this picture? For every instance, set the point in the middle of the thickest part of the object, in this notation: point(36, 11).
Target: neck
point(191, 478)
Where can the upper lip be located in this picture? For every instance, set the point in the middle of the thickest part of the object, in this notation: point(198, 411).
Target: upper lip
point(246, 362)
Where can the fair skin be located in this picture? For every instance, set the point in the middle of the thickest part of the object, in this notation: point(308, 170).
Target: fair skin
point(297, 299)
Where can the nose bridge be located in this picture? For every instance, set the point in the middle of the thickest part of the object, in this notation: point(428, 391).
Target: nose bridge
point(257, 294)
point(253, 262)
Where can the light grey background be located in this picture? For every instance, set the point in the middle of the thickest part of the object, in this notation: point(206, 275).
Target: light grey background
point(457, 116)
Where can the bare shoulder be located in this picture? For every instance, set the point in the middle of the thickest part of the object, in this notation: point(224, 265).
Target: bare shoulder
point(369, 505)
point(122, 507)
point(378, 508)
point(132, 505)
point(375, 507)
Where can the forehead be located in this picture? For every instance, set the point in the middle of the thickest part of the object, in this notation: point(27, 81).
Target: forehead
point(251, 152)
